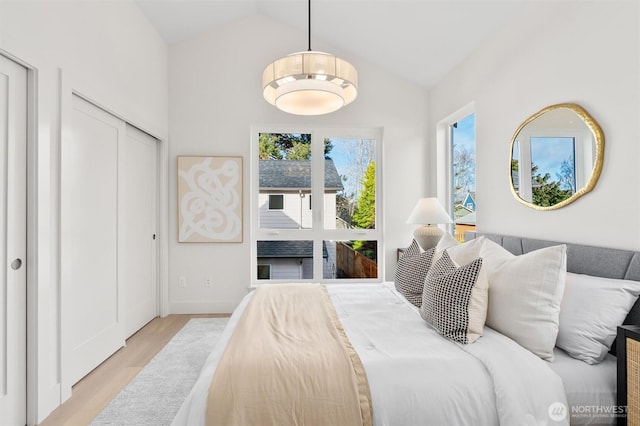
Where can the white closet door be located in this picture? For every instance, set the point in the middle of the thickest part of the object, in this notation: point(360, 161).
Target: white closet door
point(13, 243)
point(92, 323)
point(138, 253)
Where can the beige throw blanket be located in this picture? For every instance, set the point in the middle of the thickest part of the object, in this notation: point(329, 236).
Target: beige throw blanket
point(289, 362)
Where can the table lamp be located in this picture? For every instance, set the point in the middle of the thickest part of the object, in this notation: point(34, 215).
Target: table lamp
point(428, 212)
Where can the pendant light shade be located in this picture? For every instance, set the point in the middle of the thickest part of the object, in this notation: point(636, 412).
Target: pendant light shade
point(310, 83)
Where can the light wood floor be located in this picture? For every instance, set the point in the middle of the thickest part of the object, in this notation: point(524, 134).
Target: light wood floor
point(94, 392)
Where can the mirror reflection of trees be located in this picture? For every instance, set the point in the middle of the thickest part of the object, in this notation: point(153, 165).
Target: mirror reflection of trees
point(545, 191)
point(556, 156)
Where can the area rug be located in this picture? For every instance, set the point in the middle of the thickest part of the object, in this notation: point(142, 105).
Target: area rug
point(154, 396)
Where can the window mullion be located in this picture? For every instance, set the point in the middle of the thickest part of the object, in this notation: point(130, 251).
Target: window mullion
point(317, 214)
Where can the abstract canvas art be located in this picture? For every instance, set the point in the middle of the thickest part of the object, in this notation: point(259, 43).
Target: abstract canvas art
point(209, 199)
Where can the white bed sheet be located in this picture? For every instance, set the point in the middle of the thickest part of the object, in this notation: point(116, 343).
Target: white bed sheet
point(416, 376)
point(590, 389)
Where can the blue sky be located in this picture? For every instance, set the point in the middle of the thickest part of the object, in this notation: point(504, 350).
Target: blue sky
point(338, 155)
point(346, 156)
point(464, 137)
point(549, 153)
point(465, 134)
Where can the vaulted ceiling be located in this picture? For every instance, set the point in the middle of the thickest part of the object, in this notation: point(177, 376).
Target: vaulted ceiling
point(419, 40)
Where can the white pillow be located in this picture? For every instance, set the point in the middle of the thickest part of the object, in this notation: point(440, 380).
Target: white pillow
point(446, 242)
point(463, 254)
point(592, 309)
point(525, 293)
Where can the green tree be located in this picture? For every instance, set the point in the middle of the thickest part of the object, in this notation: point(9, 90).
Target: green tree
point(546, 193)
point(268, 149)
point(288, 146)
point(364, 215)
point(299, 151)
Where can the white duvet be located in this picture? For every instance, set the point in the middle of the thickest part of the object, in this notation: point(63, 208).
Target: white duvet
point(416, 376)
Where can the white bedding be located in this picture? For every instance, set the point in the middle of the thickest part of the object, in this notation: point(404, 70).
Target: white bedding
point(416, 376)
point(590, 389)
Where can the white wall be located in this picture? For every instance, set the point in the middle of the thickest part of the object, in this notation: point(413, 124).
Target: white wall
point(582, 52)
point(215, 96)
point(108, 52)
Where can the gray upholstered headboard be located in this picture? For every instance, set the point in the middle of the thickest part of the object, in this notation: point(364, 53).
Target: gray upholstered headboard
point(581, 259)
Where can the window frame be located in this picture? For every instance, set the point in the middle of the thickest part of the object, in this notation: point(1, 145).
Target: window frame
point(316, 233)
point(444, 158)
point(525, 190)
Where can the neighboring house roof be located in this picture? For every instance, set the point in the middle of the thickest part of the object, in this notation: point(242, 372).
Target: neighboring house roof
point(296, 174)
point(288, 249)
point(468, 219)
point(461, 210)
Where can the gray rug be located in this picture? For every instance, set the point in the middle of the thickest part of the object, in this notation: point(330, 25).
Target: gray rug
point(154, 396)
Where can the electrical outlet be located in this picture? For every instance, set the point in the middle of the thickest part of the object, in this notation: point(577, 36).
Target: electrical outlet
point(207, 282)
point(182, 281)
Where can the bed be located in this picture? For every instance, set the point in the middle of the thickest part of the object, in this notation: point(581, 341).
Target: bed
point(415, 376)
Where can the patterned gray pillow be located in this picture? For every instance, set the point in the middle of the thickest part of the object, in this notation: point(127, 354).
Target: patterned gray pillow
point(445, 301)
point(410, 274)
point(413, 249)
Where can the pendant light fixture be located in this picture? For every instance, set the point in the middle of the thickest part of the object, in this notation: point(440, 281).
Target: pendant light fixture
point(310, 83)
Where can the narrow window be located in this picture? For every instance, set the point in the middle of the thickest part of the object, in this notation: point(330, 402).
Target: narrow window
point(463, 175)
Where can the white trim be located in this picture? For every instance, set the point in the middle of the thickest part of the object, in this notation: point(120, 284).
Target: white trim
point(200, 307)
point(32, 247)
point(163, 228)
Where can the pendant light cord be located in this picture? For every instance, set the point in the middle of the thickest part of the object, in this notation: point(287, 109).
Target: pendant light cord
point(309, 9)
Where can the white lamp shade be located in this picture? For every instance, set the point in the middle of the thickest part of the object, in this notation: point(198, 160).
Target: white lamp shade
point(310, 83)
point(429, 211)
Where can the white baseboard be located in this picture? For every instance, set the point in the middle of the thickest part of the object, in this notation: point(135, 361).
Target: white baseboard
point(48, 401)
point(199, 307)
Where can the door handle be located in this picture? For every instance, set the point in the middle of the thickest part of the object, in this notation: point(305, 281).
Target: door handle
point(16, 264)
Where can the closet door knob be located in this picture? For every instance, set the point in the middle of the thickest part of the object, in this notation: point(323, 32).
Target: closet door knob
point(16, 264)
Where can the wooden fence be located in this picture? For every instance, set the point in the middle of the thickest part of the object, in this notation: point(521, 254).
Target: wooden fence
point(351, 264)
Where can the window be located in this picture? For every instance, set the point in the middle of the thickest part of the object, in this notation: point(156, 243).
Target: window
point(264, 272)
point(456, 151)
point(326, 225)
point(543, 168)
point(276, 202)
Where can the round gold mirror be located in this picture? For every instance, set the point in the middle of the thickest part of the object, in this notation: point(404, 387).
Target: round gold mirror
point(556, 157)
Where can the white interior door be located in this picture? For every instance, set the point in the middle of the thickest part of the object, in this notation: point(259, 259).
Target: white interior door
point(92, 323)
point(138, 255)
point(13, 242)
